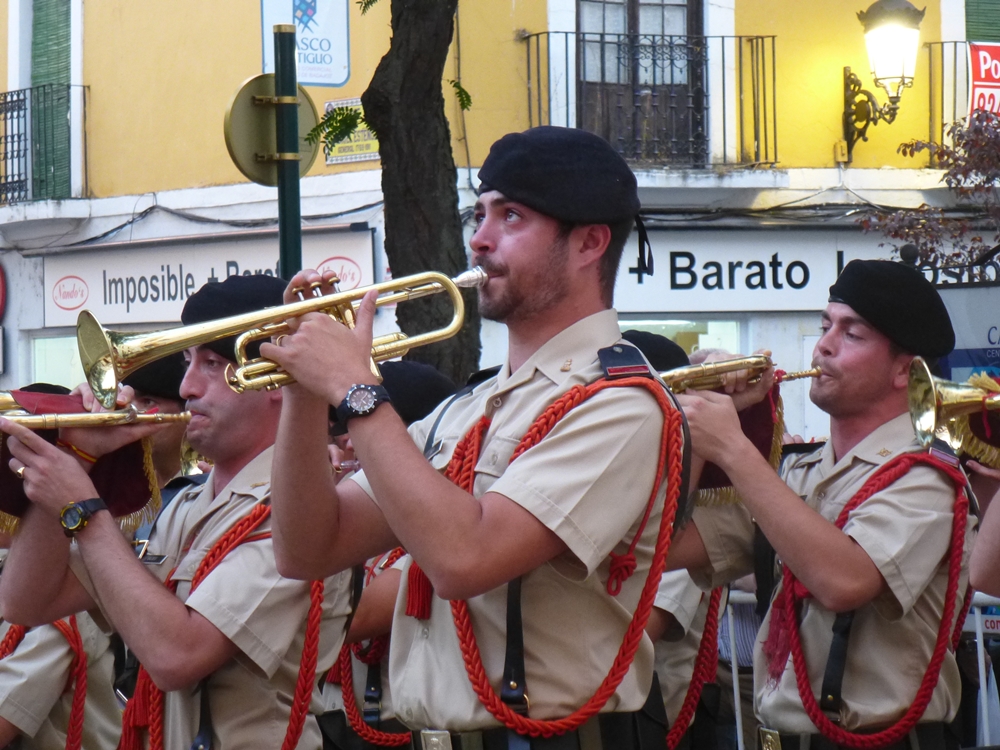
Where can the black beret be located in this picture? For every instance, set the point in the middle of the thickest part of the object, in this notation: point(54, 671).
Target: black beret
point(234, 296)
point(415, 389)
point(55, 390)
point(899, 302)
point(662, 353)
point(564, 173)
point(161, 378)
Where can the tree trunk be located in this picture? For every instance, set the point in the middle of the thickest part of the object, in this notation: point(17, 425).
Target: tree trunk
point(404, 105)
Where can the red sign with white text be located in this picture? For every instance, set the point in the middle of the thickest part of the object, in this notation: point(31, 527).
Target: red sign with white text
point(984, 66)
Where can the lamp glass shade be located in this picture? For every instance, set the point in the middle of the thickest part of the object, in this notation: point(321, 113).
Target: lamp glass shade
point(892, 54)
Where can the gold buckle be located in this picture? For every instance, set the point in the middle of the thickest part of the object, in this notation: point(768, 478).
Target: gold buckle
point(769, 739)
point(435, 739)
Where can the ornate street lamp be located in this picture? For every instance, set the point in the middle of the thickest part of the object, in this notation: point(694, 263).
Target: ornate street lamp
point(892, 36)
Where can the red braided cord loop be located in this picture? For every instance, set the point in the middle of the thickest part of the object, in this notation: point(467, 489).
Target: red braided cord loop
point(78, 678)
point(706, 664)
point(15, 634)
point(669, 463)
point(886, 475)
point(146, 706)
point(364, 730)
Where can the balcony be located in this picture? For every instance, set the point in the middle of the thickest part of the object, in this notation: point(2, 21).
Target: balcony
point(681, 102)
point(948, 71)
point(37, 149)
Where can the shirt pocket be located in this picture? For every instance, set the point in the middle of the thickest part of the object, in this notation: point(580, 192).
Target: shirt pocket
point(493, 462)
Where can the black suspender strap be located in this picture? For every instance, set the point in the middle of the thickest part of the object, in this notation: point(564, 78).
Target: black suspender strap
point(203, 740)
point(431, 447)
point(763, 569)
point(372, 709)
point(833, 678)
point(512, 689)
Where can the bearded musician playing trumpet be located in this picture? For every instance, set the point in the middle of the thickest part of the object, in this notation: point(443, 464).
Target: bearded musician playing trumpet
point(871, 531)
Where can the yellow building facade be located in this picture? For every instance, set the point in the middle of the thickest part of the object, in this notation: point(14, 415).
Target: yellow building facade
point(730, 110)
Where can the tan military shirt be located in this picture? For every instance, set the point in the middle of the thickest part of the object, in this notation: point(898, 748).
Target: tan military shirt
point(33, 694)
point(674, 659)
point(589, 482)
point(257, 609)
point(905, 529)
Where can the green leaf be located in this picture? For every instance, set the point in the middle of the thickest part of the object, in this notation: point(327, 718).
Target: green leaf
point(337, 125)
point(464, 97)
point(366, 5)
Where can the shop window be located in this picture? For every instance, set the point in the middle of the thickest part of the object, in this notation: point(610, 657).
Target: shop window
point(693, 335)
point(56, 360)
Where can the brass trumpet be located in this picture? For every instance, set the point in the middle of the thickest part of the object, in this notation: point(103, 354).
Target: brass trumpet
point(934, 402)
point(709, 376)
point(109, 356)
point(128, 415)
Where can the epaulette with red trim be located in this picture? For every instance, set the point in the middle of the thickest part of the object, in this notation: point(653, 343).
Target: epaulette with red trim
point(624, 361)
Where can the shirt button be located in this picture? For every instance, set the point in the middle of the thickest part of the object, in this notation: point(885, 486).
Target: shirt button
point(426, 632)
point(497, 402)
point(820, 495)
point(493, 459)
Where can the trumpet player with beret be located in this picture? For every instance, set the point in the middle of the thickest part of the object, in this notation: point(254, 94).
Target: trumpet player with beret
point(543, 551)
point(230, 649)
point(870, 534)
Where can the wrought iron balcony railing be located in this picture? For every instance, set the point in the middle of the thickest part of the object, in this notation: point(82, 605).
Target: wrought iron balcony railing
point(36, 153)
point(662, 101)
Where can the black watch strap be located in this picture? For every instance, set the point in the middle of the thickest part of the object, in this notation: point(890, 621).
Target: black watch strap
point(345, 411)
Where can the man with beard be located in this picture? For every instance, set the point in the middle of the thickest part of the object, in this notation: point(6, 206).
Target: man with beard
point(215, 626)
point(559, 521)
point(866, 561)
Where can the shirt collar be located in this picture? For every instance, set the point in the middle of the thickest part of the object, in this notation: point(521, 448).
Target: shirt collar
point(253, 479)
point(883, 443)
point(576, 345)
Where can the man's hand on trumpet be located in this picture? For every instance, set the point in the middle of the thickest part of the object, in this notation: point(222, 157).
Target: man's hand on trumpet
point(52, 476)
point(325, 357)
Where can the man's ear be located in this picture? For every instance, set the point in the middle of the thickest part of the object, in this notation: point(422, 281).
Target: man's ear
point(901, 372)
point(594, 240)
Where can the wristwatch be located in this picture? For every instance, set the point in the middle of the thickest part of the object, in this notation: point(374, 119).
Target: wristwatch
point(360, 401)
point(76, 515)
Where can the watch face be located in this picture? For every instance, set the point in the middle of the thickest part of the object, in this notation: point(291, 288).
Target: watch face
point(72, 517)
point(361, 400)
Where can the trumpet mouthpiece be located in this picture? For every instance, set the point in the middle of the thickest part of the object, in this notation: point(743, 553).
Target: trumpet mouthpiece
point(472, 279)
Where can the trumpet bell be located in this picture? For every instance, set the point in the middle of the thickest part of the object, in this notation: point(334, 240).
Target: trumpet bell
point(935, 402)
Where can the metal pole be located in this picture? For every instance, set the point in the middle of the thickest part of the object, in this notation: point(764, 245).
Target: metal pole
point(981, 658)
point(287, 129)
point(734, 664)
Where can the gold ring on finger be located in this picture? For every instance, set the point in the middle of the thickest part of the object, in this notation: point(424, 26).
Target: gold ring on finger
point(20, 472)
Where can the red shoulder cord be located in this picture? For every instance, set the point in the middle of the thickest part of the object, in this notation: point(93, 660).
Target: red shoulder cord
point(885, 476)
point(146, 707)
point(77, 672)
point(343, 674)
point(461, 471)
point(706, 664)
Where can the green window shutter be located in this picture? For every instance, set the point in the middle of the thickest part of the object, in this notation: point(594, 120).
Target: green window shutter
point(50, 77)
point(982, 20)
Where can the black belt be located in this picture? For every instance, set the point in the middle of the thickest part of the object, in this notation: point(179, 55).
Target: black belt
point(645, 729)
point(931, 735)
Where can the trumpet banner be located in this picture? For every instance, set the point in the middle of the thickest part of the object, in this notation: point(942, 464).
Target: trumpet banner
point(764, 424)
point(125, 479)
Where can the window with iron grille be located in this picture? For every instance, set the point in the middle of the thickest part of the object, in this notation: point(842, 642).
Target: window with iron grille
point(641, 81)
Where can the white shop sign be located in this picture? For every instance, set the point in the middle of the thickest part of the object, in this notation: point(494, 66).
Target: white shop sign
point(739, 271)
point(149, 284)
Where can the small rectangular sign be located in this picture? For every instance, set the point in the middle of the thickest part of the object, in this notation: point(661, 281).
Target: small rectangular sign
point(984, 67)
point(322, 36)
point(361, 146)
